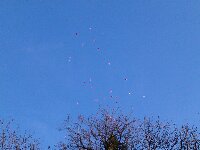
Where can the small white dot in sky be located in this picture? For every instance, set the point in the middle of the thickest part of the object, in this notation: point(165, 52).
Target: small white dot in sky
point(129, 93)
point(109, 63)
point(77, 103)
point(110, 91)
point(82, 44)
point(90, 28)
point(143, 96)
point(69, 59)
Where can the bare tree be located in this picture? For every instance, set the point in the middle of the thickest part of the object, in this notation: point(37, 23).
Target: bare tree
point(157, 135)
point(10, 139)
point(105, 130)
point(188, 138)
point(112, 130)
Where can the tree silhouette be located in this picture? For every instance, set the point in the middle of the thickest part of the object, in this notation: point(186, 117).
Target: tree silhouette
point(10, 139)
point(112, 130)
point(108, 130)
point(105, 130)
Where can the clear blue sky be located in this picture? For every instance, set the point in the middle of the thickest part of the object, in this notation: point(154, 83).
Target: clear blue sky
point(50, 64)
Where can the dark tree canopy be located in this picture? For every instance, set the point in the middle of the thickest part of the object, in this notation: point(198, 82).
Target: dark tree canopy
point(111, 130)
point(108, 130)
point(10, 139)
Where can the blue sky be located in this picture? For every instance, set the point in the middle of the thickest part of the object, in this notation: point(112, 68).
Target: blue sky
point(60, 57)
